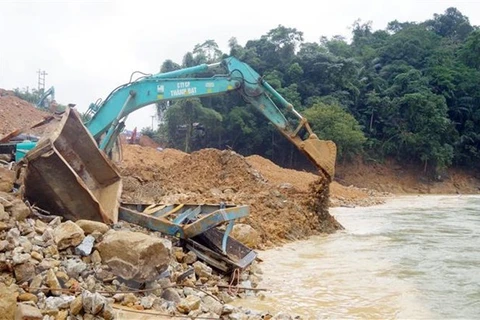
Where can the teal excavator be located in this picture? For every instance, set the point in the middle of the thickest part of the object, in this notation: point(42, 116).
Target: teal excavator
point(70, 171)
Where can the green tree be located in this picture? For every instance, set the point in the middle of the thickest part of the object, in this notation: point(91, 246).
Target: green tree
point(332, 122)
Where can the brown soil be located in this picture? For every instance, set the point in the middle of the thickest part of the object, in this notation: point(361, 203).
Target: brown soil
point(146, 141)
point(401, 179)
point(280, 209)
point(301, 180)
point(16, 113)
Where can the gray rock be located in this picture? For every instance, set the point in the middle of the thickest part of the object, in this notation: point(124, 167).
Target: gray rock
point(202, 270)
point(55, 222)
point(147, 302)
point(26, 244)
point(46, 264)
point(247, 284)
point(27, 312)
point(19, 258)
point(36, 283)
point(85, 248)
point(74, 267)
point(212, 304)
point(12, 236)
point(133, 255)
point(89, 226)
point(93, 302)
point(48, 236)
point(190, 257)
point(228, 309)
point(225, 297)
point(118, 297)
point(57, 303)
point(68, 234)
point(171, 294)
point(19, 210)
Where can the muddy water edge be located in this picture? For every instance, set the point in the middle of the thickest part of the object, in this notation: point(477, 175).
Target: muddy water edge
point(413, 257)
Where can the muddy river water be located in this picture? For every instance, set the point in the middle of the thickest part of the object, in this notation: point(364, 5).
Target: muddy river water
point(415, 257)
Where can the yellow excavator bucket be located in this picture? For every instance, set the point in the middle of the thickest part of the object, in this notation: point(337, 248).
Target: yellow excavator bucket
point(322, 152)
point(66, 174)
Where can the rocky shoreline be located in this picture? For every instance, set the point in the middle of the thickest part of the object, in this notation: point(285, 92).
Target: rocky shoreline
point(88, 270)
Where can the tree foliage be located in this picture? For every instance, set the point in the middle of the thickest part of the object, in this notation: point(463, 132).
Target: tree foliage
point(410, 91)
point(332, 122)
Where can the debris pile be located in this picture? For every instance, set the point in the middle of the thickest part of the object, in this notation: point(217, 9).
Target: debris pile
point(86, 270)
point(278, 211)
point(16, 113)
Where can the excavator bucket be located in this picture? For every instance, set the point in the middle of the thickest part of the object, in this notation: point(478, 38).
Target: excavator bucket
point(322, 152)
point(66, 174)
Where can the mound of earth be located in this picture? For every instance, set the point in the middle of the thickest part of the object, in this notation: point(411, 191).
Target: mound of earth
point(284, 204)
point(16, 113)
point(301, 181)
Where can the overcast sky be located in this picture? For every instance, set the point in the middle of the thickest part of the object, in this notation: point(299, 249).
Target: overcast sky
point(90, 47)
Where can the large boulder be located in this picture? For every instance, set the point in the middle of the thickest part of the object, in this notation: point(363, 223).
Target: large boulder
point(8, 302)
point(89, 226)
point(7, 178)
point(246, 235)
point(68, 234)
point(133, 255)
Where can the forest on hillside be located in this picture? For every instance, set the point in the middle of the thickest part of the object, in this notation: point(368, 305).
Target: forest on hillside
point(409, 92)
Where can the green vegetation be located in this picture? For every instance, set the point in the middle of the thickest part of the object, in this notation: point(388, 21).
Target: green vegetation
point(410, 91)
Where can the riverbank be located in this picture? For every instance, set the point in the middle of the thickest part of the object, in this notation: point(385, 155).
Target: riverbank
point(391, 177)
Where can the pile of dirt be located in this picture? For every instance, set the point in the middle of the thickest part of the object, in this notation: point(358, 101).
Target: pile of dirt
point(301, 181)
point(146, 141)
point(144, 162)
point(279, 210)
point(16, 113)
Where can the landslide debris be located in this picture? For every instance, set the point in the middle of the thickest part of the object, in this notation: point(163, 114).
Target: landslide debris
point(47, 273)
point(16, 113)
point(279, 207)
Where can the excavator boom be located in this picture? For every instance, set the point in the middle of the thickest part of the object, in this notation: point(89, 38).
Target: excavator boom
point(106, 123)
point(99, 181)
point(68, 172)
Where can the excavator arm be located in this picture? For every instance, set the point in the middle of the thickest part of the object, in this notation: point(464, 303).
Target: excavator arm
point(66, 172)
point(106, 122)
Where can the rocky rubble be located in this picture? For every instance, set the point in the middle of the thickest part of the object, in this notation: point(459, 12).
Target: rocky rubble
point(49, 271)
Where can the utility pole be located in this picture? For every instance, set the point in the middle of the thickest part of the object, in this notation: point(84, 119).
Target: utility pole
point(41, 80)
point(152, 121)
